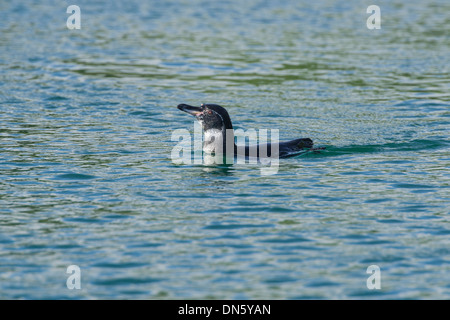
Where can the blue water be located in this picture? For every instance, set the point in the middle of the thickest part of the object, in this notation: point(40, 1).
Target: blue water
point(86, 176)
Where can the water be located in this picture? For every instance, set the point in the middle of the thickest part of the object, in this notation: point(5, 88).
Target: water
point(86, 176)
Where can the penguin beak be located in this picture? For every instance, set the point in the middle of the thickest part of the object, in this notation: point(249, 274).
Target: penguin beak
point(195, 111)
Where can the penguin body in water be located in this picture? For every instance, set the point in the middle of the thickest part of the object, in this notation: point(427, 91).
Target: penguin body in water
point(219, 136)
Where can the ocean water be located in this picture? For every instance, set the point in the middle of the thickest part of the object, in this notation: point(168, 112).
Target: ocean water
point(87, 179)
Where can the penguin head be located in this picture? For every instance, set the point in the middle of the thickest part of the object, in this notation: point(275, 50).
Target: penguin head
point(211, 116)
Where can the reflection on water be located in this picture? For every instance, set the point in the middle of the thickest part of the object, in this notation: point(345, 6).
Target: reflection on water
point(221, 169)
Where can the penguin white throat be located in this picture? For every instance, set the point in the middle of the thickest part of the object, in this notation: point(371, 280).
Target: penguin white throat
point(215, 140)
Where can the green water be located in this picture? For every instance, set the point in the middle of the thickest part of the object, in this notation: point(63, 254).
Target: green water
point(86, 176)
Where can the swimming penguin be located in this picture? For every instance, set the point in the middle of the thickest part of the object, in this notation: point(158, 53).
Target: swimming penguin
point(218, 131)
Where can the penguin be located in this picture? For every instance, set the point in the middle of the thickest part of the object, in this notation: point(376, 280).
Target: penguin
point(219, 135)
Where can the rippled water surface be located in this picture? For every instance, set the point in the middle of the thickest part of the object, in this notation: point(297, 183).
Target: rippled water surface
point(86, 176)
